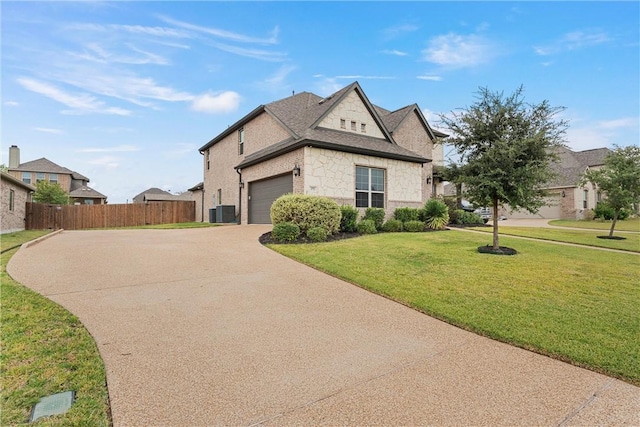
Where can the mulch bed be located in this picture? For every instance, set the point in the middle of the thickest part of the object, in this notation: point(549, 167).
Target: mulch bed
point(502, 250)
point(612, 237)
point(267, 239)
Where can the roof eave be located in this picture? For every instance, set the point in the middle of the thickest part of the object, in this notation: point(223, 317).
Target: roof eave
point(252, 115)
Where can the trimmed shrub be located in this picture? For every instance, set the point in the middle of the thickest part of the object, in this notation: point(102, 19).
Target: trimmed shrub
point(317, 234)
point(285, 232)
point(436, 213)
point(306, 212)
point(376, 215)
point(367, 226)
point(604, 211)
point(413, 226)
point(349, 219)
point(407, 214)
point(462, 217)
point(392, 226)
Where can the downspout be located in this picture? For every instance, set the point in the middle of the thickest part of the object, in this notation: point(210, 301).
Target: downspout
point(240, 185)
point(202, 204)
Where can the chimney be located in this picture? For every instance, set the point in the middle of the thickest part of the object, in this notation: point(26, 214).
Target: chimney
point(14, 157)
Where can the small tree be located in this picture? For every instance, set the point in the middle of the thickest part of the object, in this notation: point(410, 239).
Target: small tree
point(619, 179)
point(506, 148)
point(47, 192)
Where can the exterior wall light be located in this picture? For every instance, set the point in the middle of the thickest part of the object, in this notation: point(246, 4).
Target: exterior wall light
point(428, 180)
point(563, 193)
point(296, 170)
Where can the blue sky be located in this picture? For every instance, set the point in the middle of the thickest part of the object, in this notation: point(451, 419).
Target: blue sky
point(126, 92)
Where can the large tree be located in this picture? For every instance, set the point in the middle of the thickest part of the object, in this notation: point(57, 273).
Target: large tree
point(506, 149)
point(618, 179)
point(47, 192)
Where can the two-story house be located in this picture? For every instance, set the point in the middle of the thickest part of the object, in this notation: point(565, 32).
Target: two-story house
point(341, 146)
point(73, 183)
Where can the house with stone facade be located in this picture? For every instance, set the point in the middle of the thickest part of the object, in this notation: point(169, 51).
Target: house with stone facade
point(340, 146)
point(568, 199)
point(73, 183)
point(15, 195)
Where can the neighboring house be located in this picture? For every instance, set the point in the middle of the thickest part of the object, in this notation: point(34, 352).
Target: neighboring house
point(568, 199)
point(73, 183)
point(151, 194)
point(15, 195)
point(342, 147)
point(195, 194)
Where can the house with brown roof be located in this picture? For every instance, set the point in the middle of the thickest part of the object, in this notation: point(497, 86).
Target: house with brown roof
point(567, 198)
point(340, 146)
point(73, 183)
point(15, 195)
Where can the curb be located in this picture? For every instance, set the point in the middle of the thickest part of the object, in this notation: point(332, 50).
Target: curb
point(40, 239)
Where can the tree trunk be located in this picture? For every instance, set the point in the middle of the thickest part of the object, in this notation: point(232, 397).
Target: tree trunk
point(496, 243)
point(459, 195)
point(613, 223)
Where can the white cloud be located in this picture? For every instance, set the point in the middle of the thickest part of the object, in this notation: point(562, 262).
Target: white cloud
point(79, 103)
point(585, 135)
point(327, 85)
point(11, 103)
point(50, 130)
point(430, 78)
point(224, 102)
point(572, 41)
point(361, 77)
point(133, 29)
point(107, 162)
point(398, 30)
point(626, 122)
point(119, 148)
point(394, 52)
point(261, 54)
point(227, 35)
point(99, 54)
point(459, 51)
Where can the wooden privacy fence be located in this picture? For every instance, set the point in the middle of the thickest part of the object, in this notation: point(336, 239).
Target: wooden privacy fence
point(41, 216)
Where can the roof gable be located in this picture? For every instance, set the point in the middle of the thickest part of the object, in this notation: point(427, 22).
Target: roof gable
point(47, 166)
point(571, 165)
point(85, 192)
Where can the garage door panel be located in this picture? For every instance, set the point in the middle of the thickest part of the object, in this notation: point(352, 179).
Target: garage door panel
point(551, 210)
point(262, 194)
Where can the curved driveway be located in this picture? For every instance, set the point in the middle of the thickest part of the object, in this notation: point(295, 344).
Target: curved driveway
point(204, 327)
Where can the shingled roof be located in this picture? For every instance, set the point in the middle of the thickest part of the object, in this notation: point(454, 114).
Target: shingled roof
point(85, 192)
point(301, 113)
point(47, 166)
point(572, 164)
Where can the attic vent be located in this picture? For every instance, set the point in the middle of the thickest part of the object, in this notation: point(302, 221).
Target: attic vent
point(322, 101)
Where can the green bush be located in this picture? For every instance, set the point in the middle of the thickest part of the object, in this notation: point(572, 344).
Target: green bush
point(436, 213)
point(413, 226)
point(392, 226)
point(285, 232)
point(376, 215)
point(317, 234)
point(367, 226)
point(406, 214)
point(306, 212)
point(462, 217)
point(349, 219)
point(604, 211)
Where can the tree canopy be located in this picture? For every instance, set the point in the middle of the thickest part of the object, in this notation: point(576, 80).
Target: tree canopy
point(506, 149)
point(47, 192)
point(618, 179)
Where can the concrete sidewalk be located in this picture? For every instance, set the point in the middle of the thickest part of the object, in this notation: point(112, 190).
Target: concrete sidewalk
point(206, 327)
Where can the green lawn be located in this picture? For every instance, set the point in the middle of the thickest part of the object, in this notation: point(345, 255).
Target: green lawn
point(581, 237)
point(46, 350)
point(626, 225)
point(575, 304)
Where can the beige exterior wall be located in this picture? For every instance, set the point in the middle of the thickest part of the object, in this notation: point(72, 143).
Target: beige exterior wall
point(13, 220)
point(63, 179)
point(352, 109)
point(332, 174)
point(262, 132)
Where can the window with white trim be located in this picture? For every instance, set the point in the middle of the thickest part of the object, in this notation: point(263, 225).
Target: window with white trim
point(39, 176)
point(53, 178)
point(241, 140)
point(26, 177)
point(585, 199)
point(369, 187)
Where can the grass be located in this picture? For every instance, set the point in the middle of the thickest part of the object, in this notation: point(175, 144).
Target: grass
point(46, 350)
point(574, 304)
point(580, 237)
point(632, 224)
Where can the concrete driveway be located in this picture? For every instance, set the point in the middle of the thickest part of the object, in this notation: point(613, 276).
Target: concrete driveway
point(206, 327)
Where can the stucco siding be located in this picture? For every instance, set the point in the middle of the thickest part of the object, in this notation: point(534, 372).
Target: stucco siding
point(352, 109)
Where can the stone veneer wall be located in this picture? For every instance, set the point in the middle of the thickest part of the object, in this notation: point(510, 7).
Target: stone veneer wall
point(352, 108)
point(13, 221)
point(332, 174)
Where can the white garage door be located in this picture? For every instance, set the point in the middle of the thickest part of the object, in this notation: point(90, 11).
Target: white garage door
point(262, 194)
point(550, 211)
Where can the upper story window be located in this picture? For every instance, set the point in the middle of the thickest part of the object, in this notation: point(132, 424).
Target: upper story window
point(53, 178)
point(39, 176)
point(241, 140)
point(585, 199)
point(369, 187)
point(208, 159)
point(26, 177)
